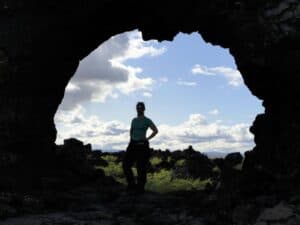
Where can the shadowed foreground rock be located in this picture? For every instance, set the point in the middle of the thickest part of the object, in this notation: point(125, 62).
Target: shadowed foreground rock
point(69, 165)
point(193, 208)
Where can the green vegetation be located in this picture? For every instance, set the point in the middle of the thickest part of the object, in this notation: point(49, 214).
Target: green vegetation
point(159, 181)
point(163, 182)
point(114, 168)
point(155, 160)
point(110, 158)
point(180, 162)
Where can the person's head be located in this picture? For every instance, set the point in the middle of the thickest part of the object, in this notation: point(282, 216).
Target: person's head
point(140, 108)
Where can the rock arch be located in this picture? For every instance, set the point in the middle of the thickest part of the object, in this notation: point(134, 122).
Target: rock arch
point(46, 40)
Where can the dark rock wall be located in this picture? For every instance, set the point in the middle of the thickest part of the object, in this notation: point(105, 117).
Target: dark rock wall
point(45, 40)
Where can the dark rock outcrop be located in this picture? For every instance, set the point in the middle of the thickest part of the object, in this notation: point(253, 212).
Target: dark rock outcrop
point(233, 159)
point(43, 42)
point(94, 157)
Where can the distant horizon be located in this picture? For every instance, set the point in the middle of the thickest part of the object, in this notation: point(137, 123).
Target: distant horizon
point(171, 150)
point(208, 153)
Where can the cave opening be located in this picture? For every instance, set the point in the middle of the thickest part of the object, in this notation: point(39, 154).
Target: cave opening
point(41, 46)
point(192, 90)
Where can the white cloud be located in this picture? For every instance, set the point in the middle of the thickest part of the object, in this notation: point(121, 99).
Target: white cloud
point(186, 83)
point(195, 131)
point(214, 112)
point(67, 118)
point(104, 73)
point(147, 94)
point(139, 48)
point(199, 69)
point(90, 129)
point(134, 83)
point(204, 136)
point(233, 76)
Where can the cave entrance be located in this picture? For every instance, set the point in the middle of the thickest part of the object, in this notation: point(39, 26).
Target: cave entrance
point(192, 91)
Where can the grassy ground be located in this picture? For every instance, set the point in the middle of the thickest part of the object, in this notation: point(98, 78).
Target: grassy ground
point(160, 181)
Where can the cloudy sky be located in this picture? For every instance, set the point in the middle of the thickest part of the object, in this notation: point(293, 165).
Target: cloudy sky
point(192, 92)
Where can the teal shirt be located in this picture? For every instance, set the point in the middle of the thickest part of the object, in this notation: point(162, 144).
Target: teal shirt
point(139, 127)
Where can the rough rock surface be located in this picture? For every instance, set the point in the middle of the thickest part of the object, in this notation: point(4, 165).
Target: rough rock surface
point(281, 214)
point(42, 42)
point(168, 209)
point(125, 210)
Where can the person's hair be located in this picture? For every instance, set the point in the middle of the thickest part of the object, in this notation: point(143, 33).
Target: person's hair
point(141, 103)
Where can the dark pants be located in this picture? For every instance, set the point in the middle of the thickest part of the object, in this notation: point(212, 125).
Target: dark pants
point(137, 152)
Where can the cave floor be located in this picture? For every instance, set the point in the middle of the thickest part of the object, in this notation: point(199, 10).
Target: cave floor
point(121, 208)
point(112, 205)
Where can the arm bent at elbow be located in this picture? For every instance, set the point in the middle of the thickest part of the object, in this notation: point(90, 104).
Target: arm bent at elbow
point(154, 132)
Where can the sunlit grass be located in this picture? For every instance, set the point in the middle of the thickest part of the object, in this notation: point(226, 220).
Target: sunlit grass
point(155, 160)
point(160, 181)
point(110, 158)
point(180, 162)
point(163, 182)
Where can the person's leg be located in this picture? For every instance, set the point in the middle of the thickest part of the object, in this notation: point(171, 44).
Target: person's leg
point(142, 166)
point(127, 164)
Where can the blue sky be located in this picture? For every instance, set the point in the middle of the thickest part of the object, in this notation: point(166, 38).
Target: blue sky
point(191, 89)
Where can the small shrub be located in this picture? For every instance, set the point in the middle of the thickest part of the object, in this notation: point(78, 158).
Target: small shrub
point(180, 162)
point(155, 161)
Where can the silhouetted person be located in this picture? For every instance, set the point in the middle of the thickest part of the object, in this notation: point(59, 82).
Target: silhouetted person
point(138, 150)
